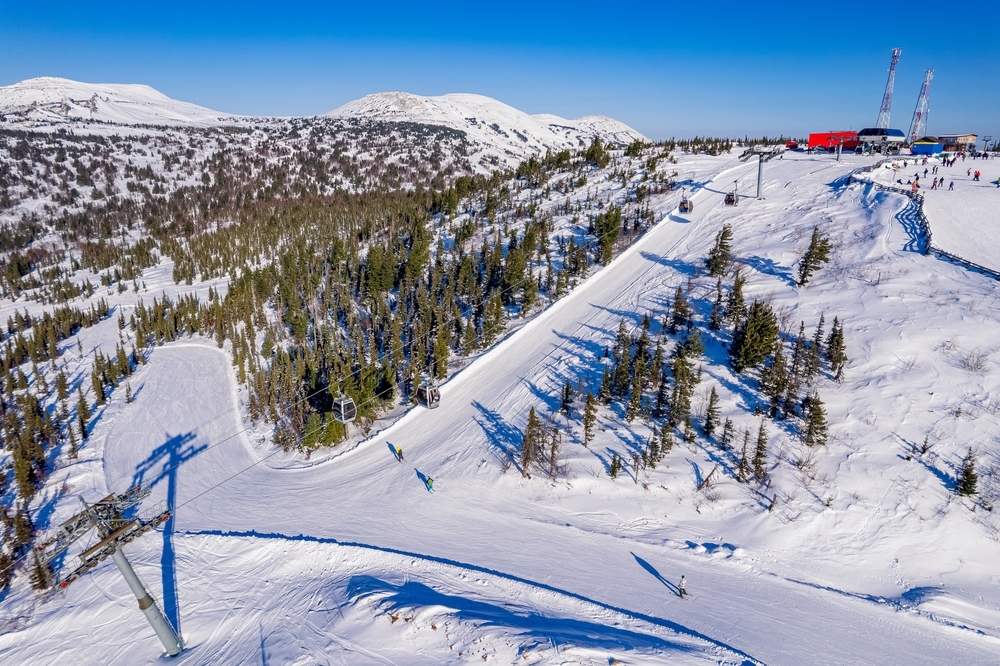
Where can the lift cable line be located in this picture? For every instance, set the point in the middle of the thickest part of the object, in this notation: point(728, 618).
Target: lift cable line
point(883, 115)
point(918, 126)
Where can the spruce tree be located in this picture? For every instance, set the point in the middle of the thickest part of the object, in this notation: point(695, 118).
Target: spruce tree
point(815, 433)
point(711, 414)
point(720, 257)
point(728, 432)
point(566, 400)
point(774, 378)
point(82, 412)
point(967, 477)
point(816, 255)
point(815, 355)
point(662, 403)
point(589, 418)
point(531, 443)
point(836, 352)
point(616, 466)
point(760, 453)
point(743, 470)
point(716, 318)
point(735, 305)
point(681, 312)
point(754, 339)
point(634, 402)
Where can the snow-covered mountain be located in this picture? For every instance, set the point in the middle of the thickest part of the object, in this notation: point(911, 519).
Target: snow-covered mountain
point(489, 122)
point(52, 99)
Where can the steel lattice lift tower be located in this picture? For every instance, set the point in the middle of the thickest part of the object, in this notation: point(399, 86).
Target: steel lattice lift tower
point(107, 517)
point(919, 123)
point(883, 115)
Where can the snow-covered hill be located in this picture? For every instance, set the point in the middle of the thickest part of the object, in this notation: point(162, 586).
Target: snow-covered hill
point(490, 123)
point(50, 99)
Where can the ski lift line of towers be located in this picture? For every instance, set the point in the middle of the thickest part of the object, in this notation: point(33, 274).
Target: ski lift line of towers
point(762, 153)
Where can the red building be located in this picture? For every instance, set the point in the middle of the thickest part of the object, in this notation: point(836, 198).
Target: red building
point(831, 139)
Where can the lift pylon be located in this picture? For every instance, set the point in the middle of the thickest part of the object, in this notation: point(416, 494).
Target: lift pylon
point(115, 530)
point(763, 153)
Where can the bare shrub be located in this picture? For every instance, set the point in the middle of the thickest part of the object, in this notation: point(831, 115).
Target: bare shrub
point(974, 361)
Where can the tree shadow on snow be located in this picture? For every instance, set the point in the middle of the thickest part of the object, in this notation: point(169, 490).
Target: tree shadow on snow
point(768, 266)
point(170, 456)
point(505, 438)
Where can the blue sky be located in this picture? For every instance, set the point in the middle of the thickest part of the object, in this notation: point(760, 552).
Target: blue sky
point(667, 69)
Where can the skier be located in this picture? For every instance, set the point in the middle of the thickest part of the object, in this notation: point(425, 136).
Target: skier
point(682, 588)
point(976, 176)
point(399, 453)
point(951, 186)
point(430, 483)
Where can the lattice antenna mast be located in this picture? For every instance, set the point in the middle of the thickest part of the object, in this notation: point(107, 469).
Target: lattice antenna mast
point(918, 126)
point(883, 115)
point(115, 530)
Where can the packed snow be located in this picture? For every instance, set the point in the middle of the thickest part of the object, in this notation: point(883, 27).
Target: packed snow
point(857, 552)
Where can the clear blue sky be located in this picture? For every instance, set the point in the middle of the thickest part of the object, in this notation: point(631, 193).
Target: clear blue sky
point(667, 69)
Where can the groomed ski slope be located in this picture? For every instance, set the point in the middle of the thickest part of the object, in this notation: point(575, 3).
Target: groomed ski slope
point(350, 560)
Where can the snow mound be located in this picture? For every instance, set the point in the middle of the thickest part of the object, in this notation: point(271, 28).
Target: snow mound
point(490, 122)
point(52, 99)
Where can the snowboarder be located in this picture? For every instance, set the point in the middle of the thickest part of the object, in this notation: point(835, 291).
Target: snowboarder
point(682, 587)
point(975, 176)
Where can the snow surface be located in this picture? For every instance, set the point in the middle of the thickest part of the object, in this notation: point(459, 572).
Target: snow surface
point(48, 99)
point(867, 557)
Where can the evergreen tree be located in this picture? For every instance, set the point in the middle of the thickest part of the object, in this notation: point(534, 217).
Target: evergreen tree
point(815, 355)
point(836, 352)
point(493, 322)
point(666, 441)
point(711, 414)
point(716, 318)
point(816, 255)
point(616, 466)
point(681, 313)
point(605, 391)
point(728, 432)
point(82, 412)
point(967, 477)
point(531, 443)
point(743, 470)
point(634, 402)
point(566, 400)
point(589, 418)
point(774, 378)
point(754, 339)
point(720, 256)
point(662, 403)
point(760, 454)
point(736, 308)
point(815, 433)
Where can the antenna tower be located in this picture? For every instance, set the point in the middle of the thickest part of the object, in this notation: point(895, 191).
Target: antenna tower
point(114, 530)
point(919, 124)
point(883, 115)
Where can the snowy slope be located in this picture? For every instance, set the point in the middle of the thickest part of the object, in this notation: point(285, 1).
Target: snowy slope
point(489, 122)
point(868, 556)
point(52, 99)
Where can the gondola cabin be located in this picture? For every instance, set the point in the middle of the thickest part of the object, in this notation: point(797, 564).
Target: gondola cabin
point(429, 396)
point(686, 205)
point(732, 198)
point(344, 410)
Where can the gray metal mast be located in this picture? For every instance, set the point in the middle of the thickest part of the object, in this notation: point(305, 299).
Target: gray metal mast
point(918, 126)
point(883, 115)
point(764, 154)
point(115, 531)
